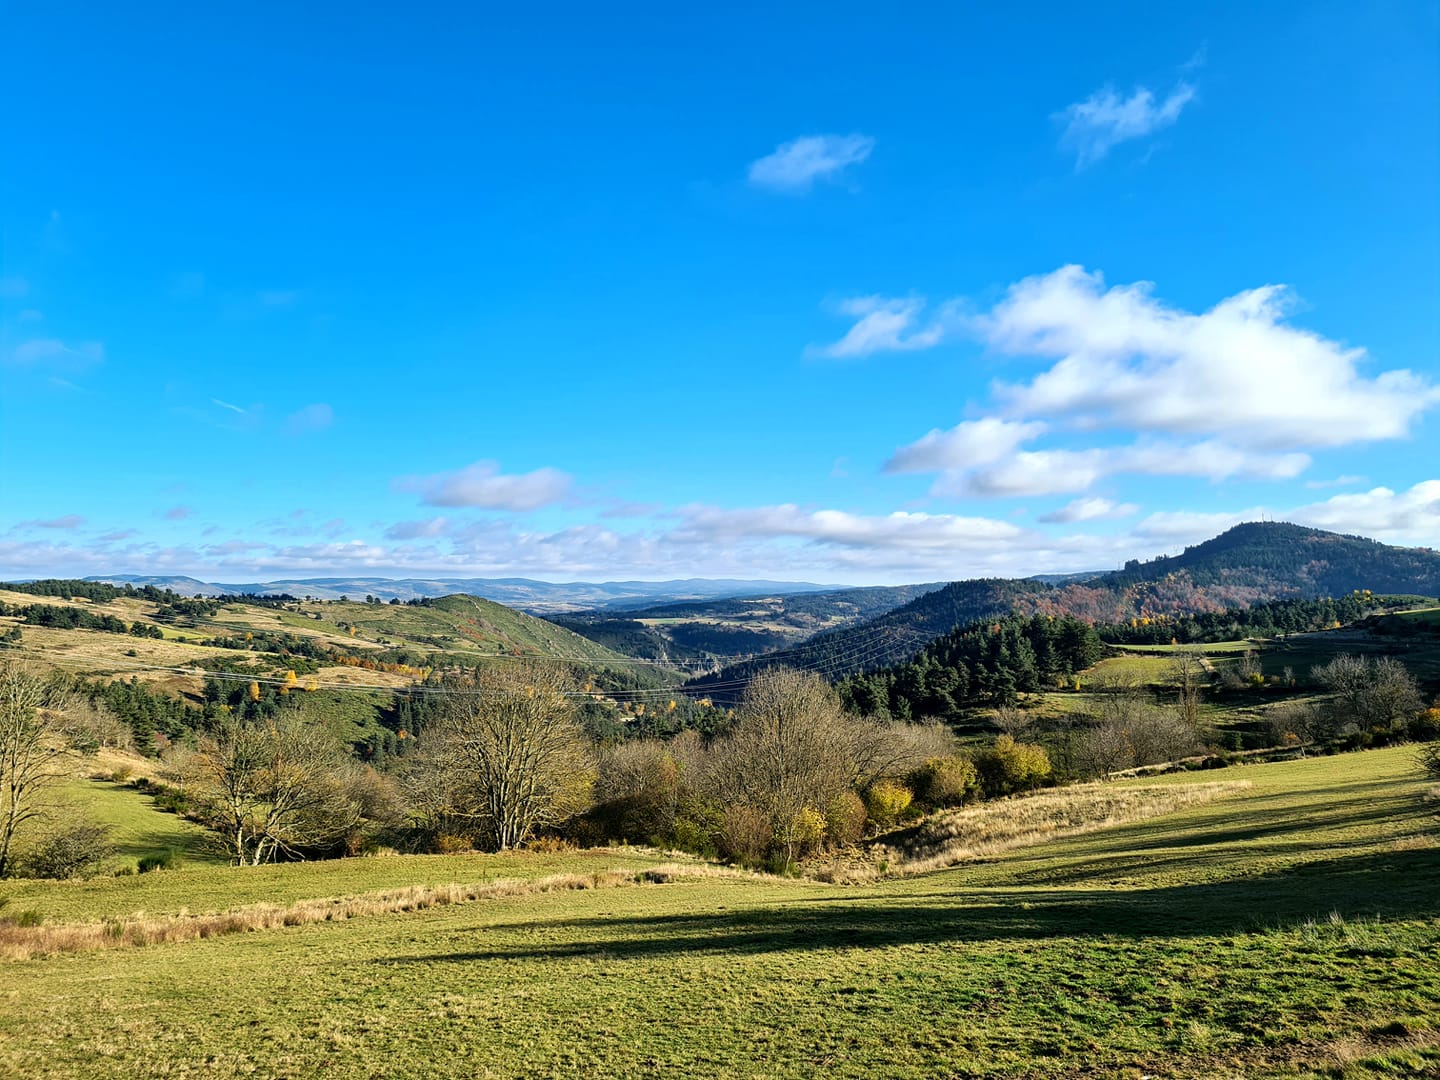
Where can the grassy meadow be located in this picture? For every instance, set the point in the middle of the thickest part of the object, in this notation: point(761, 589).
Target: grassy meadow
point(1290, 927)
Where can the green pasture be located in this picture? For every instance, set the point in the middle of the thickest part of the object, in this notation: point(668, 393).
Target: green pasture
point(137, 827)
point(1291, 929)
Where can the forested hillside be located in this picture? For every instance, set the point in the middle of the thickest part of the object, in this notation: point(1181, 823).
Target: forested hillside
point(1248, 565)
point(887, 639)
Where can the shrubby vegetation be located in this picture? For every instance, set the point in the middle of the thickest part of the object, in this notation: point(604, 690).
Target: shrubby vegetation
point(793, 773)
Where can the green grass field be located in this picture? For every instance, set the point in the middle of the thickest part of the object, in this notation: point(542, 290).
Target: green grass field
point(137, 828)
point(1291, 929)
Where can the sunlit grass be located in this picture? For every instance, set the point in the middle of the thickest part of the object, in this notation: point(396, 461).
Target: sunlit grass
point(1287, 928)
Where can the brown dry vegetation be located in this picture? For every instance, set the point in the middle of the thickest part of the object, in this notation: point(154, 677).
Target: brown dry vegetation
point(27, 942)
point(957, 836)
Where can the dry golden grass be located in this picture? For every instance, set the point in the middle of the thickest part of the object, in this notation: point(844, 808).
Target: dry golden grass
point(957, 836)
point(353, 676)
point(96, 650)
point(27, 942)
point(121, 607)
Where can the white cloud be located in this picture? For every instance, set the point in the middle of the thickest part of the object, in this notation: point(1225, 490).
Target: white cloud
point(769, 541)
point(965, 446)
point(885, 325)
point(484, 485)
point(1090, 510)
point(1102, 121)
point(796, 165)
point(896, 530)
point(1411, 516)
point(315, 417)
point(1237, 371)
point(983, 458)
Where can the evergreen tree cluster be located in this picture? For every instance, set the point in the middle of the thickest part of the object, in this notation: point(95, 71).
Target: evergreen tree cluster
point(72, 618)
point(984, 663)
point(98, 591)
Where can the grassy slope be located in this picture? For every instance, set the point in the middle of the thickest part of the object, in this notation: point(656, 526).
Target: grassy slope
point(1197, 945)
point(137, 827)
point(462, 627)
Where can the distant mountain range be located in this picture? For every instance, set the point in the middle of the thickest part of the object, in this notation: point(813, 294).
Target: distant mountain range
point(539, 597)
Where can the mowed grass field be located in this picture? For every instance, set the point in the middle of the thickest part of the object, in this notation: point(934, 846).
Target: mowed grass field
point(1291, 928)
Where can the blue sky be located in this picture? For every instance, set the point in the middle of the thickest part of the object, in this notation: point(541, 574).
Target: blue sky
point(844, 293)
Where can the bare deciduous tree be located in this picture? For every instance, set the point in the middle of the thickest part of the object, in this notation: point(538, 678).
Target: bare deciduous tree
point(510, 756)
point(1188, 675)
point(791, 750)
point(272, 789)
point(28, 749)
point(1369, 693)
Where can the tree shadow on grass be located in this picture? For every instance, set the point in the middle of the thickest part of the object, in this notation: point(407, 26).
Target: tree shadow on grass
point(1391, 885)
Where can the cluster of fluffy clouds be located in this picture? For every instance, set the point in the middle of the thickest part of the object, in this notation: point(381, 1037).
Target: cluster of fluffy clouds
point(1235, 391)
point(719, 541)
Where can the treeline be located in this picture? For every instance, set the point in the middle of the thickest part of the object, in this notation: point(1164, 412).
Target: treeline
point(73, 618)
point(986, 663)
point(1270, 619)
point(98, 591)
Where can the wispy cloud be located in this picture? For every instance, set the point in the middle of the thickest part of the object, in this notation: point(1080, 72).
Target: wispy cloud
point(1090, 510)
point(413, 530)
point(52, 352)
point(484, 485)
point(69, 521)
point(227, 405)
point(178, 513)
point(899, 529)
point(795, 166)
point(12, 288)
point(882, 325)
point(1105, 119)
